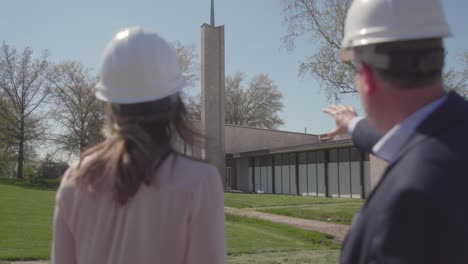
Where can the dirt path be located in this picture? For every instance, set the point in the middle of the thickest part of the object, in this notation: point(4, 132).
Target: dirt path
point(290, 206)
point(336, 230)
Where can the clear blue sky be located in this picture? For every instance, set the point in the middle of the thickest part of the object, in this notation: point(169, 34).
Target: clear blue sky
point(79, 30)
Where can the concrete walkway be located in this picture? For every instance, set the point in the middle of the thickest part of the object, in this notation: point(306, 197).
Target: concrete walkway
point(337, 231)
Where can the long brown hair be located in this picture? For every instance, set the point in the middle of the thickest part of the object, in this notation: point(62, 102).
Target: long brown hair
point(139, 137)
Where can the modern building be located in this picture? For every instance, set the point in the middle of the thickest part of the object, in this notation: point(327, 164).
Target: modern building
point(272, 161)
point(281, 162)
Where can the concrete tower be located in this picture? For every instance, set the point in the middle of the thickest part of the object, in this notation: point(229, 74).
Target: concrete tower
point(213, 94)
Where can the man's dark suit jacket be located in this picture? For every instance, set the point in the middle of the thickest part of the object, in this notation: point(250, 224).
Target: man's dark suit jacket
point(418, 212)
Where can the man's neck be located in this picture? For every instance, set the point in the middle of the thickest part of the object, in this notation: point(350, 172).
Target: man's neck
point(405, 103)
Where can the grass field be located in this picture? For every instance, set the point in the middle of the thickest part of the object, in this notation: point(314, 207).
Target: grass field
point(297, 257)
point(336, 210)
point(258, 241)
point(26, 219)
point(247, 235)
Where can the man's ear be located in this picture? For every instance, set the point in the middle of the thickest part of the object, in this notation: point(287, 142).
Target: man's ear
point(369, 79)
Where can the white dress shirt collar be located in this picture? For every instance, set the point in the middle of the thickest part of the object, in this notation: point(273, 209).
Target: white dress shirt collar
point(389, 145)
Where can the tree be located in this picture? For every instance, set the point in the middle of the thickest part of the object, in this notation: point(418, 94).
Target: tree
point(51, 169)
point(187, 57)
point(7, 141)
point(77, 109)
point(23, 85)
point(258, 105)
point(458, 80)
point(323, 23)
point(193, 105)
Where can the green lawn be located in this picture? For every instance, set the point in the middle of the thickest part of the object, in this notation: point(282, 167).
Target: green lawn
point(341, 213)
point(42, 184)
point(336, 210)
point(248, 235)
point(258, 241)
point(26, 218)
point(297, 257)
point(249, 200)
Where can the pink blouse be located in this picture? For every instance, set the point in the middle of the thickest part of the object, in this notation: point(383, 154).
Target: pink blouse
point(180, 219)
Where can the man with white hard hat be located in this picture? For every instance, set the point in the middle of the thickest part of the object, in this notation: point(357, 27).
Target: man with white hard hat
point(418, 212)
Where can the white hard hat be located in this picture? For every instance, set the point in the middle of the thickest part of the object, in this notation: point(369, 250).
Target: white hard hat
point(379, 21)
point(138, 66)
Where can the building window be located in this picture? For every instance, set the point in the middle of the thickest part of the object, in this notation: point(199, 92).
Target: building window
point(285, 159)
point(312, 157)
point(355, 154)
point(257, 161)
point(277, 160)
point(321, 156)
point(302, 158)
point(344, 155)
point(267, 161)
point(333, 155)
point(292, 159)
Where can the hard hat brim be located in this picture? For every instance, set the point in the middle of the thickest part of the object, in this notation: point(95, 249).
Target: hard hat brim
point(101, 95)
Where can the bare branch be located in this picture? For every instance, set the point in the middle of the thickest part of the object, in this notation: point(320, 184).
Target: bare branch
point(258, 105)
point(187, 57)
point(22, 82)
point(77, 109)
point(321, 22)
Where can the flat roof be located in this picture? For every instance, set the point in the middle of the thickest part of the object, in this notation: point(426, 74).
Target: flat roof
point(274, 130)
point(264, 129)
point(307, 147)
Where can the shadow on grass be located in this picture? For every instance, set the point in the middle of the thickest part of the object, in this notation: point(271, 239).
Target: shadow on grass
point(36, 184)
point(21, 259)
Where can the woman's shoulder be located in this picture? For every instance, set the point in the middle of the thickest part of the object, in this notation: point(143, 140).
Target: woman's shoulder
point(67, 186)
point(187, 171)
point(68, 180)
point(193, 162)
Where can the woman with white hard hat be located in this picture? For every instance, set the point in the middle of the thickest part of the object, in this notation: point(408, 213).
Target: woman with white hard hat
point(133, 198)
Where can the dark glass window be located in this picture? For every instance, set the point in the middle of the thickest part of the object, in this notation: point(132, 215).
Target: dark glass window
point(344, 155)
point(312, 157)
point(251, 162)
point(292, 160)
point(302, 158)
point(285, 159)
point(355, 154)
point(257, 162)
point(321, 156)
point(266, 160)
point(333, 155)
point(277, 160)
